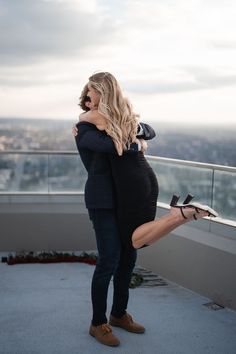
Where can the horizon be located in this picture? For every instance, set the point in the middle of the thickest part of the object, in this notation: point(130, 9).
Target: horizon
point(193, 124)
point(207, 144)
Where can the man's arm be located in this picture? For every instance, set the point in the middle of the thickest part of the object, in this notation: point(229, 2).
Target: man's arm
point(89, 137)
point(145, 131)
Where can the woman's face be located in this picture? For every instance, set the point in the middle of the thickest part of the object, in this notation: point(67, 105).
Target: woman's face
point(94, 95)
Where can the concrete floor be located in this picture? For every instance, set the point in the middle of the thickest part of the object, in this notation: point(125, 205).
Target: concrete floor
point(46, 309)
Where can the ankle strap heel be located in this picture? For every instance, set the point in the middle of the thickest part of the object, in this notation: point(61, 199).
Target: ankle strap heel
point(188, 198)
point(174, 200)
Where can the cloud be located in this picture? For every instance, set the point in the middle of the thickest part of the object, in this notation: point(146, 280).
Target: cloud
point(13, 80)
point(223, 44)
point(48, 49)
point(31, 31)
point(212, 78)
point(189, 79)
point(149, 88)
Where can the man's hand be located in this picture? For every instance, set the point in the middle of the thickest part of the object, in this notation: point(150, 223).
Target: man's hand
point(144, 145)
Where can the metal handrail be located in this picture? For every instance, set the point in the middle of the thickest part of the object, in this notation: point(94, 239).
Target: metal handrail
point(165, 160)
point(150, 157)
point(193, 163)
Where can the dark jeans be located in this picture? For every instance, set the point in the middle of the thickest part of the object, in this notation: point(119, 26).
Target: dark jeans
point(114, 259)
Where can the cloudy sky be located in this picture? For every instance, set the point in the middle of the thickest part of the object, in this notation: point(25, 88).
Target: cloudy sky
point(174, 59)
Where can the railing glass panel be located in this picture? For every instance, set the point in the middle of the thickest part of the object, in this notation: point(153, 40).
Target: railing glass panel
point(224, 194)
point(181, 180)
point(52, 172)
point(66, 173)
point(24, 173)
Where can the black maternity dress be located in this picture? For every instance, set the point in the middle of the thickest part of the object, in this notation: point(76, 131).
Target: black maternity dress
point(132, 182)
point(136, 192)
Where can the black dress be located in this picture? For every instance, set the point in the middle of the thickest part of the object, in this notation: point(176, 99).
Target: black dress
point(136, 192)
point(126, 183)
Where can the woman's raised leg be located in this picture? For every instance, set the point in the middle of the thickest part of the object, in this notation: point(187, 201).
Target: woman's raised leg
point(152, 231)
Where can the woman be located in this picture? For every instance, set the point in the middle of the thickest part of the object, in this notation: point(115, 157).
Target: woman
point(131, 173)
point(135, 182)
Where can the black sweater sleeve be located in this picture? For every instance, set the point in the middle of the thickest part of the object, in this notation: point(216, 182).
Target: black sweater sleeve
point(145, 132)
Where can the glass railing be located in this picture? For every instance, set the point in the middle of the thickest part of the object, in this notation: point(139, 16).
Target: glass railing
point(214, 185)
point(54, 172)
point(44, 171)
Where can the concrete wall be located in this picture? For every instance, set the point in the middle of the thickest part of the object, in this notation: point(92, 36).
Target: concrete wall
point(200, 255)
point(45, 222)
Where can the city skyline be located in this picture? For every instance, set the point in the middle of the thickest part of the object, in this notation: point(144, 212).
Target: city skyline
point(175, 60)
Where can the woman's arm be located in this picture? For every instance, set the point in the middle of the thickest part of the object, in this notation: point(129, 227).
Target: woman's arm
point(94, 117)
point(101, 143)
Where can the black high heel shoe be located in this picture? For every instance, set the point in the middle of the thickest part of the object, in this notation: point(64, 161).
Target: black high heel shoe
point(188, 199)
point(175, 199)
point(197, 206)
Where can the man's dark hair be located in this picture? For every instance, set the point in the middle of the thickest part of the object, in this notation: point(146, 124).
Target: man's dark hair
point(84, 98)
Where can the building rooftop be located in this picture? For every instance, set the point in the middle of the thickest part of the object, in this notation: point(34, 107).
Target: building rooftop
point(46, 309)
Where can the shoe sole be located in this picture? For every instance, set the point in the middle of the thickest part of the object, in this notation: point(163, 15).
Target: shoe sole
point(126, 329)
point(110, 345)
point(200, 207)
point(205, 208)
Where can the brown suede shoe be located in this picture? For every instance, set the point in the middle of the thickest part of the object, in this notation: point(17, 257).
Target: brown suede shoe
point(126, 322)
point(103, 334)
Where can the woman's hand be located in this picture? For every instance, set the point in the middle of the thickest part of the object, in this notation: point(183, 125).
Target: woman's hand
point(143, 144)
point(74, 130)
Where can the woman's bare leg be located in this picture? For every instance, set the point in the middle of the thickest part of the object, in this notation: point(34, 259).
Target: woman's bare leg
point(152, 231)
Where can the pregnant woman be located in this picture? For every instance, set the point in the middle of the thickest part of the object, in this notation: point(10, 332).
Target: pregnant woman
point(136, 187)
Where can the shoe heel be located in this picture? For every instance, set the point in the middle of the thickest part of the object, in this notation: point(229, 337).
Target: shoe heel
point(174, 200)
point(188, 198)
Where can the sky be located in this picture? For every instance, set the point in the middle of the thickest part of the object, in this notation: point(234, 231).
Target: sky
point(174, 59)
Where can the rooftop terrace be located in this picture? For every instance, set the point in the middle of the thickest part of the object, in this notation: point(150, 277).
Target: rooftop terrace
point(46, 309)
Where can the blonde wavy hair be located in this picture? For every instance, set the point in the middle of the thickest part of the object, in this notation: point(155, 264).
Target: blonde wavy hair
point(122, 122)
